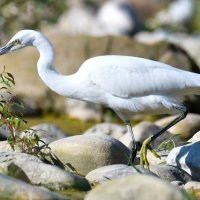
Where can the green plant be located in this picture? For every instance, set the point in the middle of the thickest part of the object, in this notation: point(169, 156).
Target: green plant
point(30, 142)
point(166, 145)
point(20, 14)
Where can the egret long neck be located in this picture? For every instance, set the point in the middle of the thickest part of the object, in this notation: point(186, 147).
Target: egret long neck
point(54, 80)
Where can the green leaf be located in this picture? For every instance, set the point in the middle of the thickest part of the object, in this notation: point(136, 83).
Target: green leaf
point(3, 88)
point(9, 80)
point(167, 145)
point(11, 77)
point(16, 122)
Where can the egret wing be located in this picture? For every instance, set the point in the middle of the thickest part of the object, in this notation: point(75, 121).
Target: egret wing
point(139, 78)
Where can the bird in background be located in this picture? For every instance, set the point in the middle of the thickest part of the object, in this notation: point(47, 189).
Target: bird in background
point(127, 85)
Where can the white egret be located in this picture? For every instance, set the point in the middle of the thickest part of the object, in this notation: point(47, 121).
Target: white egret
point(128, 85)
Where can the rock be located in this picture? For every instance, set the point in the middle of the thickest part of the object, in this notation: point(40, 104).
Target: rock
point(157, 161)
point(152, 38)
point(193, 187)
point(170, 173)
point(188, 43)
point(112, 18)
point(28, 167)
point(179, 13)
point(78, 19)
point(4, 133)
point(148, 8)
point(111, 172)
point(178, 184)
point(47, 132)
point(185, 128)
point(4, 146)
point(25, 106)
point(135, 187)
point(114, 130)
point(144, 130)
point(195, 137)
point(11, 188)
point(124, 19)
point(87, 152)
point(187, 158)
point(83, 110)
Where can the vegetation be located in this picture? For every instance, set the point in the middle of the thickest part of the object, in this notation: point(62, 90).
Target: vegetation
point(20, 14)
point(11, 121)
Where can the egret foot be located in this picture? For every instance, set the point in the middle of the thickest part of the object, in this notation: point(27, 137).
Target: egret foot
point(143, 153)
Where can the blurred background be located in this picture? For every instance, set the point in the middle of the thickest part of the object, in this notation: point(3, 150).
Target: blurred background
point(162, 30)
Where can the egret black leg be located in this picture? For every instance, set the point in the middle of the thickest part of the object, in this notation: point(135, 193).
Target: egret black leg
point(145, 145)
point(175, 121)
point(133, 144)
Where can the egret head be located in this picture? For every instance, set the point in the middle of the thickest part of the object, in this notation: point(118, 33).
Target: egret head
point(20, 40)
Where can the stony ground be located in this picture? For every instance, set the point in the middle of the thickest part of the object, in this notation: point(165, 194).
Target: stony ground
point(96, 163)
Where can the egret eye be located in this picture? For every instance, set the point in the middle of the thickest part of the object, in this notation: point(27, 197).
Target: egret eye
point(16, 42)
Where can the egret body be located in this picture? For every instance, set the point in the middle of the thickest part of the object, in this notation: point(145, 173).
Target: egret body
point(128, 85)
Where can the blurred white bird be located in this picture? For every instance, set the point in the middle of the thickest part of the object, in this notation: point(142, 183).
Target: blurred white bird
point(128, 85)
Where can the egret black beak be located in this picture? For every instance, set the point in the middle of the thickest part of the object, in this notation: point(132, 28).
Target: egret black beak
point(6, 48)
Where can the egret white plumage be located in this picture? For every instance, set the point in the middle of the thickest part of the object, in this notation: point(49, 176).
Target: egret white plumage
point(128, 85)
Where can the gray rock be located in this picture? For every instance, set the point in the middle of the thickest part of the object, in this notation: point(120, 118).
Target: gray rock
point(157, 161)
point(4, 132)
point(85, 25)
point(178, 184)
point(83, 110)
point(144, 130)
point(31, 169)
point(11, 188)
point(188, 43)
point(195, 137)
point(124, 19)
point(4, 146)
point(135, 187)
point(151, 38)
point(30, 107)
point(110, 172)
point(193, 187)
point(114, 130)
point(185, 128)
point(47, 132)
point(87, 152)
point(170, 173)
point(178, 13)
point(187, 158)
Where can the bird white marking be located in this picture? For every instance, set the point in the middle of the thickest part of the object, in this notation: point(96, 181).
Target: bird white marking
point(128, 85)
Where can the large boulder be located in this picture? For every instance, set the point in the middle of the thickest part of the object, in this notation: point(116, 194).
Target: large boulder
point(185, 128)
point(11, 188)
point(87, 152)
point(31, 169)
point(135, 187)
point(114, 130)
point(111, 172)
point(142, 131)
point(170, 173)
point(47, 132)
